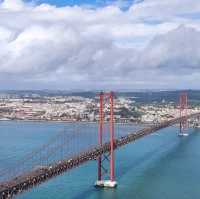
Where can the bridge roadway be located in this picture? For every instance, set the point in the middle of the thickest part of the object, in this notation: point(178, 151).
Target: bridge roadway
point(41, 174)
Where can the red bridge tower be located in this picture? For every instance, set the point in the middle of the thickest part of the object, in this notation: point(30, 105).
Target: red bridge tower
point(183, 106)
point(106, 98)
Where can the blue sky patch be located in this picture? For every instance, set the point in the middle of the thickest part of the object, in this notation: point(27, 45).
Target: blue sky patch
point(96, 3)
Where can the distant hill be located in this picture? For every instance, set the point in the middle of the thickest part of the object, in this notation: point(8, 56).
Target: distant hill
point(137, 96)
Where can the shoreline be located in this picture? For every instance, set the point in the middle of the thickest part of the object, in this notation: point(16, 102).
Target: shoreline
point(66, 121)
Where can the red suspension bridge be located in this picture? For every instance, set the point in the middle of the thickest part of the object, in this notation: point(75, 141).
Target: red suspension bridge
point(65, 151)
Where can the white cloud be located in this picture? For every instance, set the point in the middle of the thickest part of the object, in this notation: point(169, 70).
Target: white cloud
point(158, 9)
point(15, 5)
point(42, 45)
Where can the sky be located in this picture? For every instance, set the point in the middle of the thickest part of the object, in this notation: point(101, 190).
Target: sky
point(99, 44)
point(91, 3)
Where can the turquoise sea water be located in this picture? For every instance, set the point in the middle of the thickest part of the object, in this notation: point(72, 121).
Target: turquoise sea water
point(159, 166)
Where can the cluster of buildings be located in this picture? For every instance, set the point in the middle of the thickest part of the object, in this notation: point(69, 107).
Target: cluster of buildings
point(77, 108)
point(47, 108)
point(162, 112)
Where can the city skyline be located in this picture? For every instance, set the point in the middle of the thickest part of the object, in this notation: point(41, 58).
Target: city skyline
point(70, 45)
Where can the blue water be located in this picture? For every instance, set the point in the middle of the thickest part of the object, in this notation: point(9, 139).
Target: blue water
point(159, 166)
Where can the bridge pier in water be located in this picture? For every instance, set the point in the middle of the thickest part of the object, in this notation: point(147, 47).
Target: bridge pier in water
point(183, 106)
point(102, 170)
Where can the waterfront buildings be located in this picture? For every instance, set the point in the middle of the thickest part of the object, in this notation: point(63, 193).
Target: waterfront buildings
point(78, 108)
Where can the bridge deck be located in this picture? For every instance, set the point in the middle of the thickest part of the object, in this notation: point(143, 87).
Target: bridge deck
point(42, 174)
